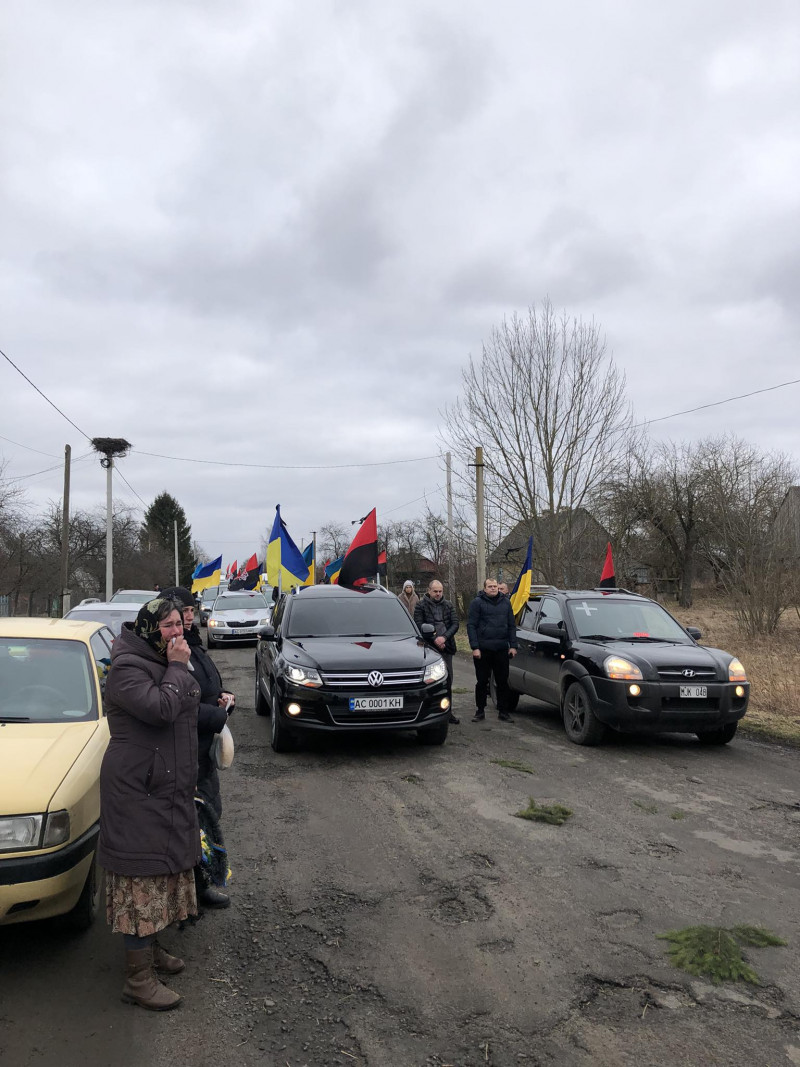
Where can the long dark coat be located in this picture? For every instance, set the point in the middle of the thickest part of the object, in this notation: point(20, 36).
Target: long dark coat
point(148, 822)
point(210, 719)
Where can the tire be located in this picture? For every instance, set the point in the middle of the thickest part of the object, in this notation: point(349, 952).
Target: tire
point(513, 696)
point(281, 738)
point(718, 737)
point(262, 707)
point(581, 725)
point(433, 735)
point(210, 642)
point(84, 913)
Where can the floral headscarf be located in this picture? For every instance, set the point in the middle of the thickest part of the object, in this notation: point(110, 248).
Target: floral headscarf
point(150, 615)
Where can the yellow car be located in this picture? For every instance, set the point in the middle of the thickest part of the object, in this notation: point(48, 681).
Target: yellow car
point(53, 734)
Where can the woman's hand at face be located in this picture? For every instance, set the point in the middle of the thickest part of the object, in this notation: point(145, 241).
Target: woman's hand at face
point(178, 650)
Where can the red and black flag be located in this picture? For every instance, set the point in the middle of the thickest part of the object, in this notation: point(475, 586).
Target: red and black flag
point(607, 578)
point(361, 559)
point(248, 576)
point(382, 563)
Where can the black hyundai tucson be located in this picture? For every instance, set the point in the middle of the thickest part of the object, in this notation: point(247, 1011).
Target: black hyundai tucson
point(616, 659)
point(336, 659)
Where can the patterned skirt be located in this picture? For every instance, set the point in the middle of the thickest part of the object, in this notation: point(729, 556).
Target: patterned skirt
point(144, 905)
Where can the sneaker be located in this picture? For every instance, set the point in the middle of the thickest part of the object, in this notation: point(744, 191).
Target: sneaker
point(504, 717)
point(454, 719)
point(479, 716)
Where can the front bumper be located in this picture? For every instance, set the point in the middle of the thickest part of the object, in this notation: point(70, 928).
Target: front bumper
point(226, 634)
point(660, 709)
point(40, 885)
point(326, 710)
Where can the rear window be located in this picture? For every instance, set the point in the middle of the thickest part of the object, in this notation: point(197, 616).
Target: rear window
point(240, 603)
point(112, 619)
point(46, 681)
point(360, 616)
point(133, 598)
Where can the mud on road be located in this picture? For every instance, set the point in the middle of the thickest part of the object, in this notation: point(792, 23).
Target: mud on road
point(390, 909)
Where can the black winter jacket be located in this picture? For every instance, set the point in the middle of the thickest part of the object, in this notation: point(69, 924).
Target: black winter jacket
point(490, 623)
point(210, 718)
point(425, 611)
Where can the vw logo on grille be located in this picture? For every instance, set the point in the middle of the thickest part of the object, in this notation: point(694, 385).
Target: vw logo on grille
point(688, 673)
point(375, 678)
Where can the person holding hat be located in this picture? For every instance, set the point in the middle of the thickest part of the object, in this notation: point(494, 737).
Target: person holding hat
point(216, 704)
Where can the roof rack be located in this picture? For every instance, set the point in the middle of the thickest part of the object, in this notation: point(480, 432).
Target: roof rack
point(616, 589)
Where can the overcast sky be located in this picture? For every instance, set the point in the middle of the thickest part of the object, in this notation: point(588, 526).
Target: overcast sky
point(274, 233)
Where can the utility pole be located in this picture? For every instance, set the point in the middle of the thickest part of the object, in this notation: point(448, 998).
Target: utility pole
point(480, 517)
point(65, 597)
point(451, 567)
point(177, 579)
point(109, 447)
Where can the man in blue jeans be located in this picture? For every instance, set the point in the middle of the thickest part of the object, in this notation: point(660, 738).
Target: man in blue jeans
point(492, 634)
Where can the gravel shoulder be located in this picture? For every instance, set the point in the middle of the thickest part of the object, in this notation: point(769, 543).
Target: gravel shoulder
point(389, 908)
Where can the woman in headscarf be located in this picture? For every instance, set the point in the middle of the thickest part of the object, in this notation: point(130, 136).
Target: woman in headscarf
point(408, 598)
point(149, 838)
point(216, 704)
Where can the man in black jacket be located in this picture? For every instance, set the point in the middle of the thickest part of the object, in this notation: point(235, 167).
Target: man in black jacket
point(440, 613)
point(492, 635)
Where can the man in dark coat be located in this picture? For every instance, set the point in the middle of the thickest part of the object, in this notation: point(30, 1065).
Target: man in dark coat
point(492, 635)
point(440, 613)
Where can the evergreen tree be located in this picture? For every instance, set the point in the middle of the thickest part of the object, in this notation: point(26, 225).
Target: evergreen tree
point(158, 531)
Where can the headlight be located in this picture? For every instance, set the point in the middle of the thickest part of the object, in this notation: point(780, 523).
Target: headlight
point(736, 672)
point(263, 622)
point(20, 831)
point(435, 672)
point(215, 622)
point(617, 667)
point(56, 829)
point(303, 676)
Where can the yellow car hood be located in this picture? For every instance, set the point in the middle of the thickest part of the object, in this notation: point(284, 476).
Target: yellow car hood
point(34, 758)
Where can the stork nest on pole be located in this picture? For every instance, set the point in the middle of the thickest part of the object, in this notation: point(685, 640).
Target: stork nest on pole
point(111, 446)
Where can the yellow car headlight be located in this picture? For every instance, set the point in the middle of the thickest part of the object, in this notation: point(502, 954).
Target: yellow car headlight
point(622, 669)
point(736, 671)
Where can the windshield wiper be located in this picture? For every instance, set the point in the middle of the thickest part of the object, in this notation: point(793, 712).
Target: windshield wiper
point(647, 637)
point(598, 637)
point(14, 718)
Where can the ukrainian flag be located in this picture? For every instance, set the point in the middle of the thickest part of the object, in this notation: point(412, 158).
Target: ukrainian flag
point(207, 575)
point(308, 558)
point(285, 563)
point(332, 571)
point(522, 587)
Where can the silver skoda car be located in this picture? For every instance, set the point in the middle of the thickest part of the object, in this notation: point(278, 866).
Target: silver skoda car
point(237, 617)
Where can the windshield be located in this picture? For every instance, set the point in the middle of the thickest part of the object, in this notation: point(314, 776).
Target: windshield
point(624, 620)
point(210, 594)
point(133, 598)
point(112, 619)
point(46, 681)
point(349, 617)
point(256, 602)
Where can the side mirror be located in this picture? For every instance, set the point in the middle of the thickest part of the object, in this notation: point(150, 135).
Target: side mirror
point(694, 632)
point(267, 633)
point(428, 629)
point(551, 629)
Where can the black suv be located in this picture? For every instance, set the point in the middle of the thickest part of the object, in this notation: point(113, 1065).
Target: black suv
point(338, 659)
point(617, 659)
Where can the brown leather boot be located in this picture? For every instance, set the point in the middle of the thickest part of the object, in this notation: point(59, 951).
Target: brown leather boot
point(164, 962)
point(141, 985)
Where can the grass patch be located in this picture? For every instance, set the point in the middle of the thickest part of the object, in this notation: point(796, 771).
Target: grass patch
point(514, 765)
point(461, 690)
point(715, 953)
point(556, 814)
point(651, 809)
point(677, 815)
point(416, 779)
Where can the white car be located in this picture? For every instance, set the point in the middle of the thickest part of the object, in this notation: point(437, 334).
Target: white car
point(237, 617)
point(113, 615)
point(134, 596)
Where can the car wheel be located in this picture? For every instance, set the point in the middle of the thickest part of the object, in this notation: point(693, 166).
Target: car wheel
point(580, 722)
point(262, 707)
point(513, 697)
point(85, 911)
point(433, 735)
point(281, 738)
point(718, 737)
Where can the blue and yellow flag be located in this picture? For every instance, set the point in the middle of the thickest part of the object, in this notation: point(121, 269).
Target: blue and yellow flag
point(522, 587)
point(308, 558)
point(332, 570)
point(207, 575)
point(285, 564)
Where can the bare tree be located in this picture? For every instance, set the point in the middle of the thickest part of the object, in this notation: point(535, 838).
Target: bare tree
point(548, 405)
point(333, 540)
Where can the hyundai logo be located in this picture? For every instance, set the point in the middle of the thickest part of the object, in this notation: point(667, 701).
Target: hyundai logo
point(688, 673)
point(375, 678)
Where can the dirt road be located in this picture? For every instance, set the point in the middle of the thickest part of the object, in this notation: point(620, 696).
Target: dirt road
point(389, 909)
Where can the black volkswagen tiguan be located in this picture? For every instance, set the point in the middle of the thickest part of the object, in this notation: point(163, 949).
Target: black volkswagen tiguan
point(335, 659)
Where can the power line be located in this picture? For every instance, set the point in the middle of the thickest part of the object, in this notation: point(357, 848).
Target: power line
point(42, 395)
point(19, 444)
point(57, 466)
point(125, 480)
point(716, 403)
point(286, 466)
